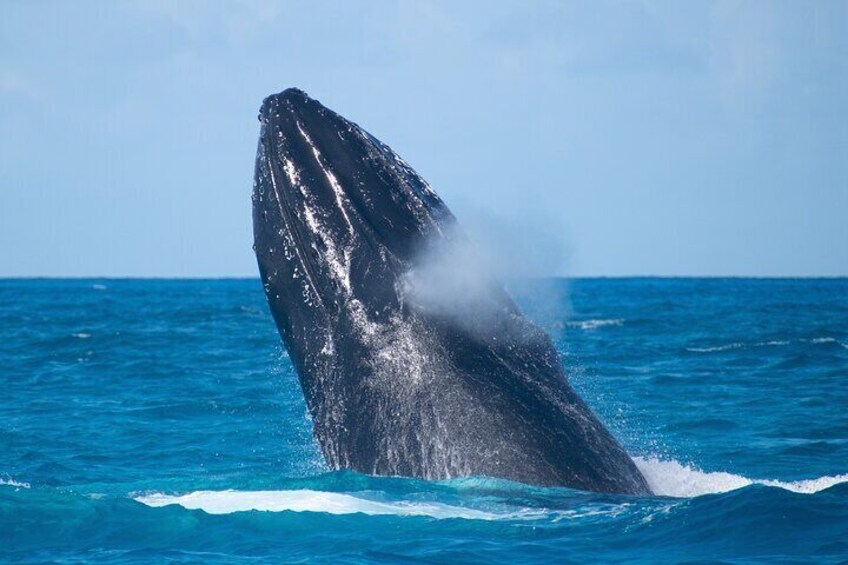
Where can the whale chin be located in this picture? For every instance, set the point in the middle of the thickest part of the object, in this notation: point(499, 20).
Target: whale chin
point(403, 376)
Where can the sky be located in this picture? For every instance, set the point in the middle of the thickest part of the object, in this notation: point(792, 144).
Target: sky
point(587, 138)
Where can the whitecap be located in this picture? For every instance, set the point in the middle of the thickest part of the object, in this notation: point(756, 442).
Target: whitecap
point(737, 345)
point(820, 340)
point(9, 482)
point(727, 347)
point(81, 335)
point(671, 478)
point(594, 324)
point(229, 501)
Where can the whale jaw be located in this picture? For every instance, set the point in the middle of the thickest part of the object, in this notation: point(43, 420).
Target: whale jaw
point(394, 385)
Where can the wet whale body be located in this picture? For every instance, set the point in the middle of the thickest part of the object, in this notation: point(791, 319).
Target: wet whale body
point(397, 384)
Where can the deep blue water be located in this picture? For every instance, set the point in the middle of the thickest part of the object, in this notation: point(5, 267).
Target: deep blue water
point(125, 403)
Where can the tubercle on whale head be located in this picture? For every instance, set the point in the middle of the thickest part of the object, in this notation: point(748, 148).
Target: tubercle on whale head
point(291, 95)
point(282, 114)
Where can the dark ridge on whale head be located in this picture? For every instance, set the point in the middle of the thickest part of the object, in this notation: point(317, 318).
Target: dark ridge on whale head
point(396, 386)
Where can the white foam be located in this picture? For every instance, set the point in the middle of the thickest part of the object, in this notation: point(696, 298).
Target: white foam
point(12, 483)
point(81, 335)
point(671, 478)
point(229, 501)
point(727, 347)
point(737, 345)
point(666, 478)
point(829, 340)
point(740, 345)
point(594, 324)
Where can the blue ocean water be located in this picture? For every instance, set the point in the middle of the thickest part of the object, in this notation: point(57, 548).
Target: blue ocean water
point(161, 421)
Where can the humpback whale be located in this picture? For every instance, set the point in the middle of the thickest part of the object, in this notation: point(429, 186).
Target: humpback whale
point(397, 385)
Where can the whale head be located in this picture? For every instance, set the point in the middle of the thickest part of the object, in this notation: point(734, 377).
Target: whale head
point(336, 212)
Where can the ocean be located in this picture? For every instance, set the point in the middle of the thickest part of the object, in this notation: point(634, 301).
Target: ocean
point(161, 421)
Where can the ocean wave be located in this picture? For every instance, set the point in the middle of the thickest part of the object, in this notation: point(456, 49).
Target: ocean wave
point(737, 345)
point(667, 478)
point(326, 502)
point(10, 482)
point(306, 500)
point(820, 340)
point(594, 324)
point(674, 479)
point(771, 343)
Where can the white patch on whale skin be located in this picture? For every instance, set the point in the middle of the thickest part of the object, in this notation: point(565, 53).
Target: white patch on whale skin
point(329, 348)
point(341, 198)
point(338, 263)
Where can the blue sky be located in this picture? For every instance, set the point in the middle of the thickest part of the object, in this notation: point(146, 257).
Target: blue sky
point(601, 138)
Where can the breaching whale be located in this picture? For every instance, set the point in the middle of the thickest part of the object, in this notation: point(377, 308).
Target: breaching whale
point(393, 385)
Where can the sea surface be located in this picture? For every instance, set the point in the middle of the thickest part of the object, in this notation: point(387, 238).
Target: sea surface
point(161, 421)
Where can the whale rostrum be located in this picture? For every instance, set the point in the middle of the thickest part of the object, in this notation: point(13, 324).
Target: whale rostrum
point(398, 380)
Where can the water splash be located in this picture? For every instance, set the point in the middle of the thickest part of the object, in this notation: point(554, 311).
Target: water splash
point(671, 478)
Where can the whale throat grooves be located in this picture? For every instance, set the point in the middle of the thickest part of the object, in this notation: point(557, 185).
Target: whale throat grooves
point(402, 376)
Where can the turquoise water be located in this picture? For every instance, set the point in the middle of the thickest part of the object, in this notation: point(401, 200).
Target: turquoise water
point(158, 421)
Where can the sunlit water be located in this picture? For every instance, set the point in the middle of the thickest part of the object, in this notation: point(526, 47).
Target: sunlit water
point(162, 421)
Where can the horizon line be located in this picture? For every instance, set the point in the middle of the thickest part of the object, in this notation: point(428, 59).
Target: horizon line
point(256, 277)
